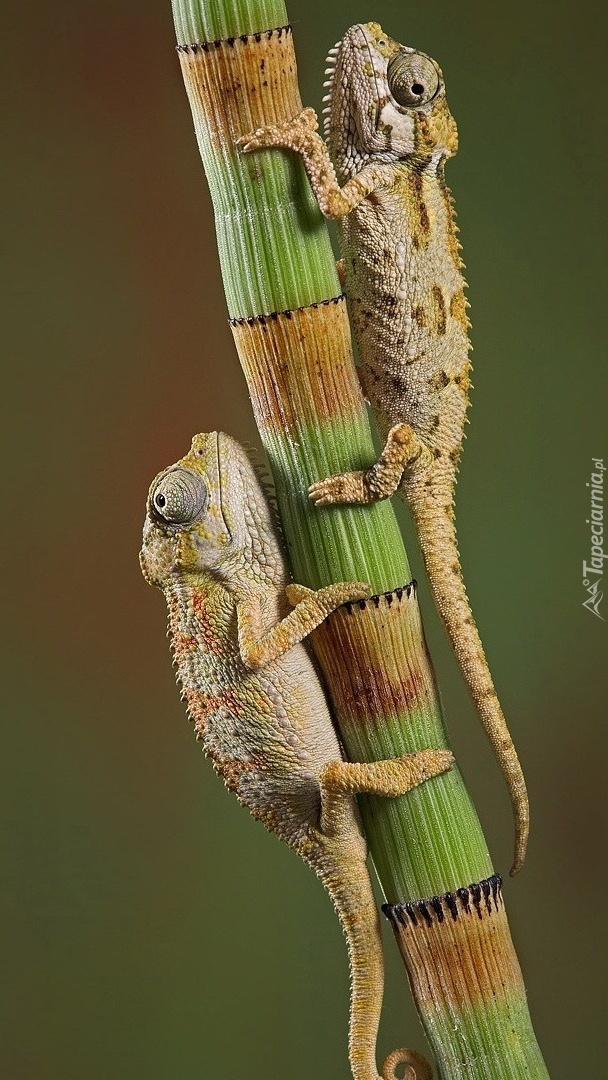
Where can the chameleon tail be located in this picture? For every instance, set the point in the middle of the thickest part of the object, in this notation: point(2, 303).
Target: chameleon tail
point(348, 884)
point(440, 551)
point(417, 1067)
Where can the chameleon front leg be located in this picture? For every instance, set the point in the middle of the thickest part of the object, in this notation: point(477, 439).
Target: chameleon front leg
point(402, 449)
point(340, 780)
point(300, 135)
point(259, 647)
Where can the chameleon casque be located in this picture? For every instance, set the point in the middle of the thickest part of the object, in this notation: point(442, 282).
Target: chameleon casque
point(389, 134)
point(256, 701)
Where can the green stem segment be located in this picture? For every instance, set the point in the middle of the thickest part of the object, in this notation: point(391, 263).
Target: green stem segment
point(292, 336)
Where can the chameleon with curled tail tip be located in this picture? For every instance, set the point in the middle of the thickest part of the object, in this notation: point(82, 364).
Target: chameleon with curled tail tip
point(389, 134)
point(256, 701)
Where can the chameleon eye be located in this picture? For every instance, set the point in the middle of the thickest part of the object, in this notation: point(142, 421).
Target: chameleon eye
point(179, 497)
point(413, 79)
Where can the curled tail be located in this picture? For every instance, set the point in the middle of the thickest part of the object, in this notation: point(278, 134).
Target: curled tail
point(417, 1068)
point(348, 884)
point(440, 551)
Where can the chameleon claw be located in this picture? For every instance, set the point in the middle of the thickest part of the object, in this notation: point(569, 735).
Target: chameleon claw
point(342, 488)
point(295, 593)
point(354, 590)
point(322, 494)
point(308, 119)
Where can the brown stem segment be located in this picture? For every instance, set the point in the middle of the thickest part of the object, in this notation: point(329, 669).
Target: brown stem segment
point(232, 84)
point(459, 956)
point(299, 367)
point(223, 75)
point(374, 658)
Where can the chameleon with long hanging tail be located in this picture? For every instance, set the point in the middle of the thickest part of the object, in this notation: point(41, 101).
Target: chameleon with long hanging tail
point(257, 703)
point(390, 132)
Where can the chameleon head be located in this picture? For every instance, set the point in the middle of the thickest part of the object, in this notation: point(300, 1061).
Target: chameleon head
point(202, 512)
point(385, 100)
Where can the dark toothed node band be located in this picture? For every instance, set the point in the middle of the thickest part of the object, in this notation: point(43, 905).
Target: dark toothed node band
point(244, 39)
point(387, 597)
point(251, 320)
point(477, 896)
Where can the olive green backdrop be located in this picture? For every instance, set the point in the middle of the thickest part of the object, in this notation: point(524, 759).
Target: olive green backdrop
point(152, 930)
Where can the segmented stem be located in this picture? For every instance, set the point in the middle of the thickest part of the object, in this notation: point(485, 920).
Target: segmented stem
point(291, 330)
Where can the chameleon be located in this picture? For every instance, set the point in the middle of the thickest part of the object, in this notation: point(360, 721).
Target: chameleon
point(390, 132)
point(210, 544)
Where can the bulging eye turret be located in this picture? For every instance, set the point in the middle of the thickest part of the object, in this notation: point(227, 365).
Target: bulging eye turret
point(179, 497)
point(413, 79)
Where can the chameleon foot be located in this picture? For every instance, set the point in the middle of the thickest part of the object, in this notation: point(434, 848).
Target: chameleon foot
point(402, 449)
point(288, 135)
point(347, 487)
point(389, 778)
point(327, 599)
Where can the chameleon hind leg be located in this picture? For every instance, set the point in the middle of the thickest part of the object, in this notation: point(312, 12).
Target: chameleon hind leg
point(402, 449)
point(340, 780)
point(347, 879)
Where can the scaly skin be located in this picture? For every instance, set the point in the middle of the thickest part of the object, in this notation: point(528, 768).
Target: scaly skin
point(256, 701)
point(390, 132)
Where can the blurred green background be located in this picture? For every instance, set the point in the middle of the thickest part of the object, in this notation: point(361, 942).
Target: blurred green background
point(150, 928)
